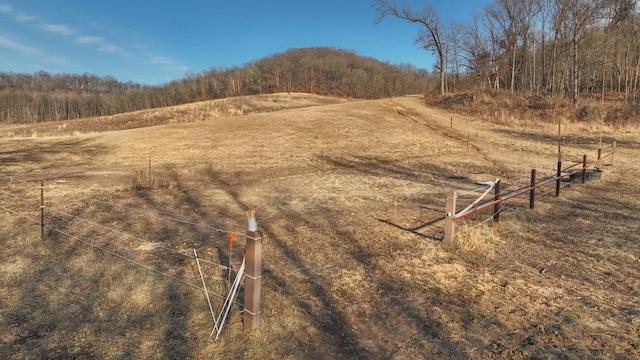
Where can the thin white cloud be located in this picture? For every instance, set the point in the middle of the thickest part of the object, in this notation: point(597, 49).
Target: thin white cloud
point(58, 29)
point(19, 17)
point(113, 49)
point(160, 60)
point(29, 51)
point(168, 64)
point(13, 45)
point(89, 40)
point(97, 43)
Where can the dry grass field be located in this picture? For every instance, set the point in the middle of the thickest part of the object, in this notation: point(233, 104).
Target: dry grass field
point(350, 195)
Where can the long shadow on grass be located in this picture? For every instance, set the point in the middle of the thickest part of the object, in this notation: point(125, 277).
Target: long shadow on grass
point(61, 313)
point(424, 173)
point(333, 322)
point(50, 154)
point(338, 330)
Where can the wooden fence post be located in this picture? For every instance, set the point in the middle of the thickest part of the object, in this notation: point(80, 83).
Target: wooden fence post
point(42, 210)
point(559, 172)
point(496, 197)
point(449, 222)
point(532, 193)
point(600, 153)
point(253, 274)
point(613, 155)
point(584, 169)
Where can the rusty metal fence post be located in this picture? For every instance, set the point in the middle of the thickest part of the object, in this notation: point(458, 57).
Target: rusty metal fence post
point(558, 174)
point(584, 169)
point(42, 210)
point(496, 197)
point(532, 193)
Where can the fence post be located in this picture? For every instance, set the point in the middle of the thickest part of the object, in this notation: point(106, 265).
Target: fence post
point(584, 169)
point(532, 193)
point(559, 172)
point(600, 153)
point(253, 273)
point(613, 155)
point(42, 210)
point(449, 222)
point(496, 197)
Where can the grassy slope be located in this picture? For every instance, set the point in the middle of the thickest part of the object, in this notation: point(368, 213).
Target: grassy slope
point(334, 186)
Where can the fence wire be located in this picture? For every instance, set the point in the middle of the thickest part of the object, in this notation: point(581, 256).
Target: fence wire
point(80, 225)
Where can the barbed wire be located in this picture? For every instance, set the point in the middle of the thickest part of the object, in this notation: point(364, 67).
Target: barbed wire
point(468, 228)
point(13, 179)
point(16, 213)
point(139, 239)
point(89, 243)
point(19, 198)
point(134, 209)
point(462, 194)
point(77, 238)
point(122, 257)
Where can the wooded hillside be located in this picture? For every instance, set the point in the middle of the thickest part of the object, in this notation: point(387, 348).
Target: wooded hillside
point(562, 48)
point(42, 96)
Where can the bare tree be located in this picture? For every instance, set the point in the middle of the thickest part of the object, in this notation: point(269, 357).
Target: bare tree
point(514, 19)
point(429, 37)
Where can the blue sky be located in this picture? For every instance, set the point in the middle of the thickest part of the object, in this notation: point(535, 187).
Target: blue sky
point(154, 42)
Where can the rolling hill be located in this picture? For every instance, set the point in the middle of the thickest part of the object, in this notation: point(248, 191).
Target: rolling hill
point(350, 196)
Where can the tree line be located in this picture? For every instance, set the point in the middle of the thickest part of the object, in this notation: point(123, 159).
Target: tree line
point(38, 97)
point(560, 48)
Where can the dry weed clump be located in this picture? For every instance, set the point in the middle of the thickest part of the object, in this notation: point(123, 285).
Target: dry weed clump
point(474, 243)
point(623, 116)
point(506, 108)
point(503, 107)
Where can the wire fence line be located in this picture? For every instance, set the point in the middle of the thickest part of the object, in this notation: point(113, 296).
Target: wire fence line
point(15, 198)
point(21, 200)
point(462, 194)
point(166, 216)
point(19, 215)
point(87, 242)
point(155, 245)
point(499, 201)
point(502, 209)
point(127, 168)
point(117, 255)
point(7, 177)
point(131, 209)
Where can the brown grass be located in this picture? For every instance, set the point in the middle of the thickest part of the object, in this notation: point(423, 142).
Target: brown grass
point(506, 108)
point(199, 111)
point(354, 266)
